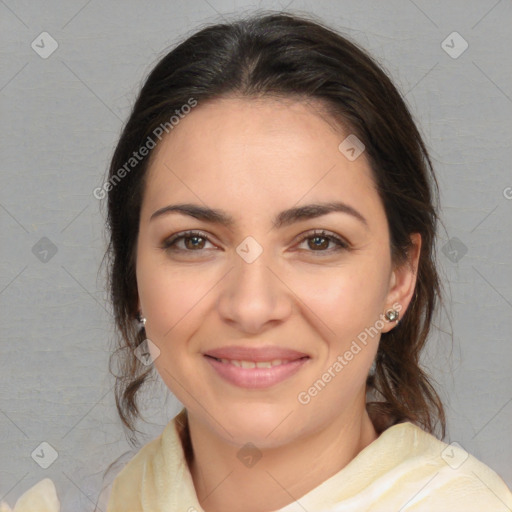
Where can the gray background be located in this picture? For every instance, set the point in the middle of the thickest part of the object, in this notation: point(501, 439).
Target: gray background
point(61, 117)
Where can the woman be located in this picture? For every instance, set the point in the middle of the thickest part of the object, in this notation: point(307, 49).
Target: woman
point(272, 211)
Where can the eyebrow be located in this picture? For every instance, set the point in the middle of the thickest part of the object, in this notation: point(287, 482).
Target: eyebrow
point(284, 218)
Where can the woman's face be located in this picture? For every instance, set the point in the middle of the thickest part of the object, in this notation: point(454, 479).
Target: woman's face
point(268, 287)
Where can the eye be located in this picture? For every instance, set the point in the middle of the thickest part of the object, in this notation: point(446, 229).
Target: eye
point(320, 240)
point(194, 241)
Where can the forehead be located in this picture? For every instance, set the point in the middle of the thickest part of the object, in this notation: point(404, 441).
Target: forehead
point(254, 153)
point(227, 126)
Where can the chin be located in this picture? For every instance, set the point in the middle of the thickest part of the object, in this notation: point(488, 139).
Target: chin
point(263, 424)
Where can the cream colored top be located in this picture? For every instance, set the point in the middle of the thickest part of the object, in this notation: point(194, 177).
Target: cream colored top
point(405, 469)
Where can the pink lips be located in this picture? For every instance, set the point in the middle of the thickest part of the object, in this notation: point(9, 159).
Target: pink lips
point(291, 362)
point(240, 353)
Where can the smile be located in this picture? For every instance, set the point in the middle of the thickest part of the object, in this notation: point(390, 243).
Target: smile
point(255, 374)
point(254, 364)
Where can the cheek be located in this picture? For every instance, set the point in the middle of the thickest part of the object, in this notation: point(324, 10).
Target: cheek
point(341, 306)
point(343, 300)
point(173, 299)
point(173, 303)
point(170, 298)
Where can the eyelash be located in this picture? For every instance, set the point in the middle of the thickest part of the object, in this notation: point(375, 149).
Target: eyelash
point(339, 242)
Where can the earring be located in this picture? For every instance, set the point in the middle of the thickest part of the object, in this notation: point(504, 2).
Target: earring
point(392, 315)
point(141, 320)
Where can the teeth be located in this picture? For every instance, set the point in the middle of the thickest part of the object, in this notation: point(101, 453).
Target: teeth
point(253, 364)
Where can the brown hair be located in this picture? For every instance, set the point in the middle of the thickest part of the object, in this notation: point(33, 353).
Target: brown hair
point(289, 56)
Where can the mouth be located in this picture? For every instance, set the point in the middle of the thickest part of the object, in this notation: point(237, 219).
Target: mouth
point(255, 364)
point(255, 374)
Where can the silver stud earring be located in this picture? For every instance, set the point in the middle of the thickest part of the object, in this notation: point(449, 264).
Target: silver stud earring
point(392, 315)
point(141, 320)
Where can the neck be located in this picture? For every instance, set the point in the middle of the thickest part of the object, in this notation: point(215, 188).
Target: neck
point(281, 475)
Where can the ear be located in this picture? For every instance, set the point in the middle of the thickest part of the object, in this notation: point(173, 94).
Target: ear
point(403, 281)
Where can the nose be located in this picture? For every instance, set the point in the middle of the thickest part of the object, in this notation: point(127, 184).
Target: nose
point(253, 296)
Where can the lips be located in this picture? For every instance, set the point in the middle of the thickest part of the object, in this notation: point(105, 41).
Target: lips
point(262, 354)
point(255, 368)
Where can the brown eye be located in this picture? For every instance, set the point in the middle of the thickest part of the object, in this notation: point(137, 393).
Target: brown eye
point(192, 241)
point(320, 241)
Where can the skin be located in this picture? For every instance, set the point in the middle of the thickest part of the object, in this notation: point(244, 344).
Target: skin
point(253, 159)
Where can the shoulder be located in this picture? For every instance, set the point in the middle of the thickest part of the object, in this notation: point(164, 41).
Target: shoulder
point(435, 475)
point(127, 485)
point(157, 463)
point(126, 481)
